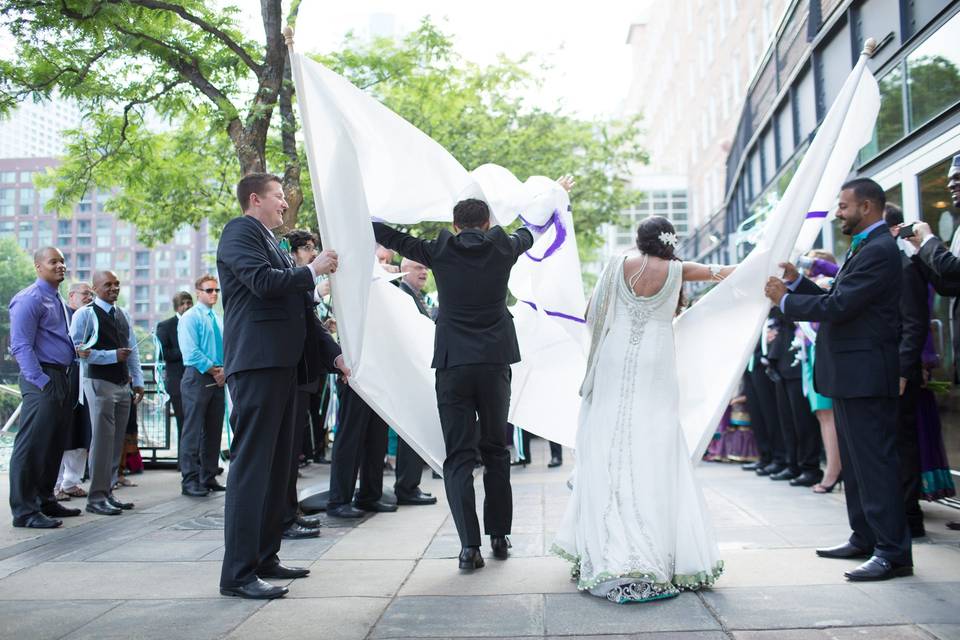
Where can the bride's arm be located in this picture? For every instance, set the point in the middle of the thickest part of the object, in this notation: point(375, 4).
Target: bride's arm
point(696, 271)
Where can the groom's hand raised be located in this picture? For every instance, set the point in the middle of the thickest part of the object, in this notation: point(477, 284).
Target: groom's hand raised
point(790, 272)
point(775, 290)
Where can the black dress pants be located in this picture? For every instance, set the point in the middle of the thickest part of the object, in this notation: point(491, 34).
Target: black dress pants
point(300, 426)
point(203, 406)
point(800, 429)
point(409, 470)
point(465, 394)
point(908, 448)
point(315, 440)
point(769, 440)
point(556, 450)
point(358, 449)
point(262, 421)
point(45, 419)
point(866, 428)
point(176, 403)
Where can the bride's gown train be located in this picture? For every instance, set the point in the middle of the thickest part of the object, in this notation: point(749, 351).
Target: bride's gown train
point(636, 527)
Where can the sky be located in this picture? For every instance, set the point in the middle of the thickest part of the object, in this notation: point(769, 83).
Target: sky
point(585, 42)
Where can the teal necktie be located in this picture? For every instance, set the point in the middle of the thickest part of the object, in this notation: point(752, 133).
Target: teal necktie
point(855, 243)
point(217, 339)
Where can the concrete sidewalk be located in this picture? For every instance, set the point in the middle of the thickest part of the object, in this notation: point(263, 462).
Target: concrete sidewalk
point(153, 573)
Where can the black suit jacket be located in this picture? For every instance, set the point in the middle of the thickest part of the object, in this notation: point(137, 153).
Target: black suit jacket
point(914, 320)
point(942, 269)
point(167, 336)
point(781, 353)
point(857, 350)
point(471, 269)
point(267, 303)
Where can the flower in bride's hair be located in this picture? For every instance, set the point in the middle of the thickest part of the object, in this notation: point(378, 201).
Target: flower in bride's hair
point(668, 238)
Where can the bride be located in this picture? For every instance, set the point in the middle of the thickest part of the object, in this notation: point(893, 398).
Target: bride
point(636, 527)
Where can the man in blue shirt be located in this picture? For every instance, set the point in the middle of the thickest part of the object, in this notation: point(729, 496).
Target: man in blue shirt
point(40, 342)
point(200, 335)
point(113, 362)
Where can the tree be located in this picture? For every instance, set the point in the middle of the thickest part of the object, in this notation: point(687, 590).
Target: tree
point(185, 63)
point(16, 272)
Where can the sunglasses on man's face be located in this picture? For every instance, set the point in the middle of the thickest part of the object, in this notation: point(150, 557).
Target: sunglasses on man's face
point(211, 290)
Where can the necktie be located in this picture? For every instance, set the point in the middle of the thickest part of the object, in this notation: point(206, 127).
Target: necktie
point(217, 339)
point(66, 314)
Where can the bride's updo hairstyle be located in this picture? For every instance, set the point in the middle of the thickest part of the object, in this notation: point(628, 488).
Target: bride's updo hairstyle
point(654, 236)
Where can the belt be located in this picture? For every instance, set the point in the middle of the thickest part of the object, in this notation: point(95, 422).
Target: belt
point(58, 367)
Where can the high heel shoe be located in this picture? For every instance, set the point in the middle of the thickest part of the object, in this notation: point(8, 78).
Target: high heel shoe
point(519, 463)
point(823, 488)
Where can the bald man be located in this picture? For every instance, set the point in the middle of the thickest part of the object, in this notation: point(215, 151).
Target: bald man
point(40, 342)
point(108, 371)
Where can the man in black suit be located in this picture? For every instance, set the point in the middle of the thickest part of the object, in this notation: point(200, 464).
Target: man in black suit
point(914, 329)
point(941, 268)
point(172, 359)
point(857, 365)
point(267, 305)
point(475, 345)
point(764, 421)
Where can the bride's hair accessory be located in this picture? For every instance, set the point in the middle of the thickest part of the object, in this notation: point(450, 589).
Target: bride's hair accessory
point(668, 238)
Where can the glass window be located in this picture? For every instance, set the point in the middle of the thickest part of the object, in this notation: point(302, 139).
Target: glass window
point(805, 105)
point(933, 74)
point(6, 228)
point(26, 176)
point(6, 210)
point(103, 260)
point(143, 258)
point(26, 196)
point(8, 176)
point(142, 308)
point(83, 260)
point(141, 292)
point(6, 195)
point(889, 127)
point(143, 274)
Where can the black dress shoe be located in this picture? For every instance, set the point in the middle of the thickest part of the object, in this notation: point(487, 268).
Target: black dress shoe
point(877, 568)
point(771, 469)
point(844, 551)
point(470, 559)
point(806, 479)
point(953, 525)
point(281, 572)
point(194, 491)
point(417, 498)
point(37, 521)
point(786, 474)
point(377, 506)
point(554, 462)
point(345, 511)
point(916, 530)
point(57, 510)
point(501, 547)
point(519, 463)
point(103, 508)
point(213, 485)
point(117, 504)
point(296, 532)
point(751, 466)
point(308, 523)
point(256, 590)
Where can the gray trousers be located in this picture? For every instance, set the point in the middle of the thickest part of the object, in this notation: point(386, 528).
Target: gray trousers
point(203, 408)
point(109, 406)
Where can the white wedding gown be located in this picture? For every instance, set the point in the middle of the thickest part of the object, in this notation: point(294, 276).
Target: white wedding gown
point(636, 527)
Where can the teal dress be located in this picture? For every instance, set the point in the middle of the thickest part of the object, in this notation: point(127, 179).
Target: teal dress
point(817, 401)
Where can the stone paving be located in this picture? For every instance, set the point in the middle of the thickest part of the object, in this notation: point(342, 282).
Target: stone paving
point(153, 572)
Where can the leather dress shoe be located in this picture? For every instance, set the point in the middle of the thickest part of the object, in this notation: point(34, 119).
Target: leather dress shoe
point(417, 498)
point(283, 572)
point(554, 462)
point(114, 502)
point(213, 485)
point(57, 510)
point(345, 511)
point(843, 551)
point(37, 521)
point(771, 469)
point(296, 532)
point(378, 506)
point(256, 590)
point(806, 479)
point(470, 559)
point(501, 547)
point(953, 525)
point(877, 568)
point(194, 491)
point(308, 523)
point(751, 466)
point(103, 508)
point(786, 474)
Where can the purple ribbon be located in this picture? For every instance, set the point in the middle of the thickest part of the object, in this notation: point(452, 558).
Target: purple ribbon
point(817, 214)
point(553, 221)
point(556, 314)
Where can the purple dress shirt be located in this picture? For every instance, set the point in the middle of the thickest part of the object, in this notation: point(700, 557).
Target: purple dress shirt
point(39, 331)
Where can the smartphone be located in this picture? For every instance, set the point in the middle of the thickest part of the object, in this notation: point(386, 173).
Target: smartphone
point(906, 231)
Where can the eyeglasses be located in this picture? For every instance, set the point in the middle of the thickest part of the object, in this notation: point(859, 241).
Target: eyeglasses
point(211, 290)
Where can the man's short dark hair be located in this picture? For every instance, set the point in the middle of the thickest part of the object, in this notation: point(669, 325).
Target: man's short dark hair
point(867, 189)
point(300, 237)
point(471, 214)
point(892, 215)
point(207, 277)
point(254, 183)
point(180, 298)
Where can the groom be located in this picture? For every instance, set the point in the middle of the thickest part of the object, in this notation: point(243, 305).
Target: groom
point(474, 347)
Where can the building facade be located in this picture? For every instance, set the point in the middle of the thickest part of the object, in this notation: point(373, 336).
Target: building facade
point(35, 130)
point(917, 66)
point(92, 239)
